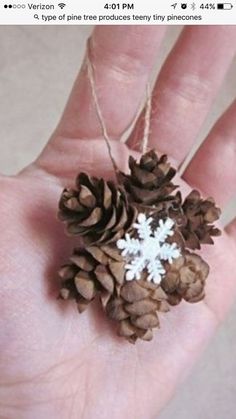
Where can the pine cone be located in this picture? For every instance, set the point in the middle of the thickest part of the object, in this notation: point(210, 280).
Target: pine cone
point(200, 214)
point(185, 278)
point(150, 180)
point(92, 271)
point(96, 209)
point(136, 309)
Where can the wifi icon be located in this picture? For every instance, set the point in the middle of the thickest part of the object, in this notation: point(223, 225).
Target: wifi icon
point(61, 5)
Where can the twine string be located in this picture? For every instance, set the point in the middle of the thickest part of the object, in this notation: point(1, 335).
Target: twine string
point(147, 120)
point(98, 109)
point(147, 116)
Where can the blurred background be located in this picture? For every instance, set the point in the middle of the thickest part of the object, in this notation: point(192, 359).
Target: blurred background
point(37, 68)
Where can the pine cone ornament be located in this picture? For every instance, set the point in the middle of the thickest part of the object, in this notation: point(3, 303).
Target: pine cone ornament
point(96, 210)
point(149, 182)
point(200, 215)
point(136, 235)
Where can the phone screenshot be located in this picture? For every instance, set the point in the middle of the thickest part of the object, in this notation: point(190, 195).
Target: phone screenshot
point(117, 209)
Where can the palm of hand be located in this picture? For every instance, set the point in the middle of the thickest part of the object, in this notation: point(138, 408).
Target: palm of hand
point(53, 359)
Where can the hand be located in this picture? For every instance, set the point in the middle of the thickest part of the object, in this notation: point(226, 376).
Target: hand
point(53, 362)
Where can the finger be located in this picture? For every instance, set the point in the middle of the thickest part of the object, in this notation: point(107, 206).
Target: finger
point(221, 284)
point(123, 57)
point(231, 229)
point(213, 168)
point(186, 87)
point(65, 157)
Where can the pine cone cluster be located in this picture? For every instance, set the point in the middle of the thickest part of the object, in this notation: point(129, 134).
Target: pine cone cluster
point(103, 212)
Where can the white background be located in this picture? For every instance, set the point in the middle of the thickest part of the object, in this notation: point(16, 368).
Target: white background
point(142, 9)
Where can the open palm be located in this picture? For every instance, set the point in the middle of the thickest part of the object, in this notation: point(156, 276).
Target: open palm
point(53, 361)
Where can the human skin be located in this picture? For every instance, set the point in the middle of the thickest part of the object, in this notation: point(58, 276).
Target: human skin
point(53, 362)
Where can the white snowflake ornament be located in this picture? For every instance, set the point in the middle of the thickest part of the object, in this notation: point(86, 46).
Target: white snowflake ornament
point(149, 249)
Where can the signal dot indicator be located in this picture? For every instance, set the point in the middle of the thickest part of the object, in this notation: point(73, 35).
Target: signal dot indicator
point(61, 5)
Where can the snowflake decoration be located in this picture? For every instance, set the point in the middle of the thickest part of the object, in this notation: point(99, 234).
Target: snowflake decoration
point(149, 249)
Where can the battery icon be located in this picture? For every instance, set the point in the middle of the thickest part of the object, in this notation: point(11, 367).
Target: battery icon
point(224, 6)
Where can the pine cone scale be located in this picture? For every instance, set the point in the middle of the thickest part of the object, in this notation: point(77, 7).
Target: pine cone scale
point(82, 262)
point(115, 310)
point(126, 329)
point(117, 270)
point(84, 285)
point(105, 278)
point(133, 292)
point(97, 254)
point(112, 252)
point(121, 220)
point(94, 218)
point(146, 321)
point(86, 198)
point(107, 196)
point(142, 307)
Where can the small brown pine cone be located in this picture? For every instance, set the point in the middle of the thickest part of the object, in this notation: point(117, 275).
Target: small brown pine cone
point(136, 309)
point(200, 215)
point(185, 278)
point(96, 209)
point(92, 271)
point(149, 182)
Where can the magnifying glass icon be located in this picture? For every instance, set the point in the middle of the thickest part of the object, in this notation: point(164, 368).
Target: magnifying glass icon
point(36, 17)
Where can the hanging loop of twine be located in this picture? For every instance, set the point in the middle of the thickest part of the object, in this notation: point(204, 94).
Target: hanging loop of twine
point(147, 120)
point(147, 115)
point(91, 76)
